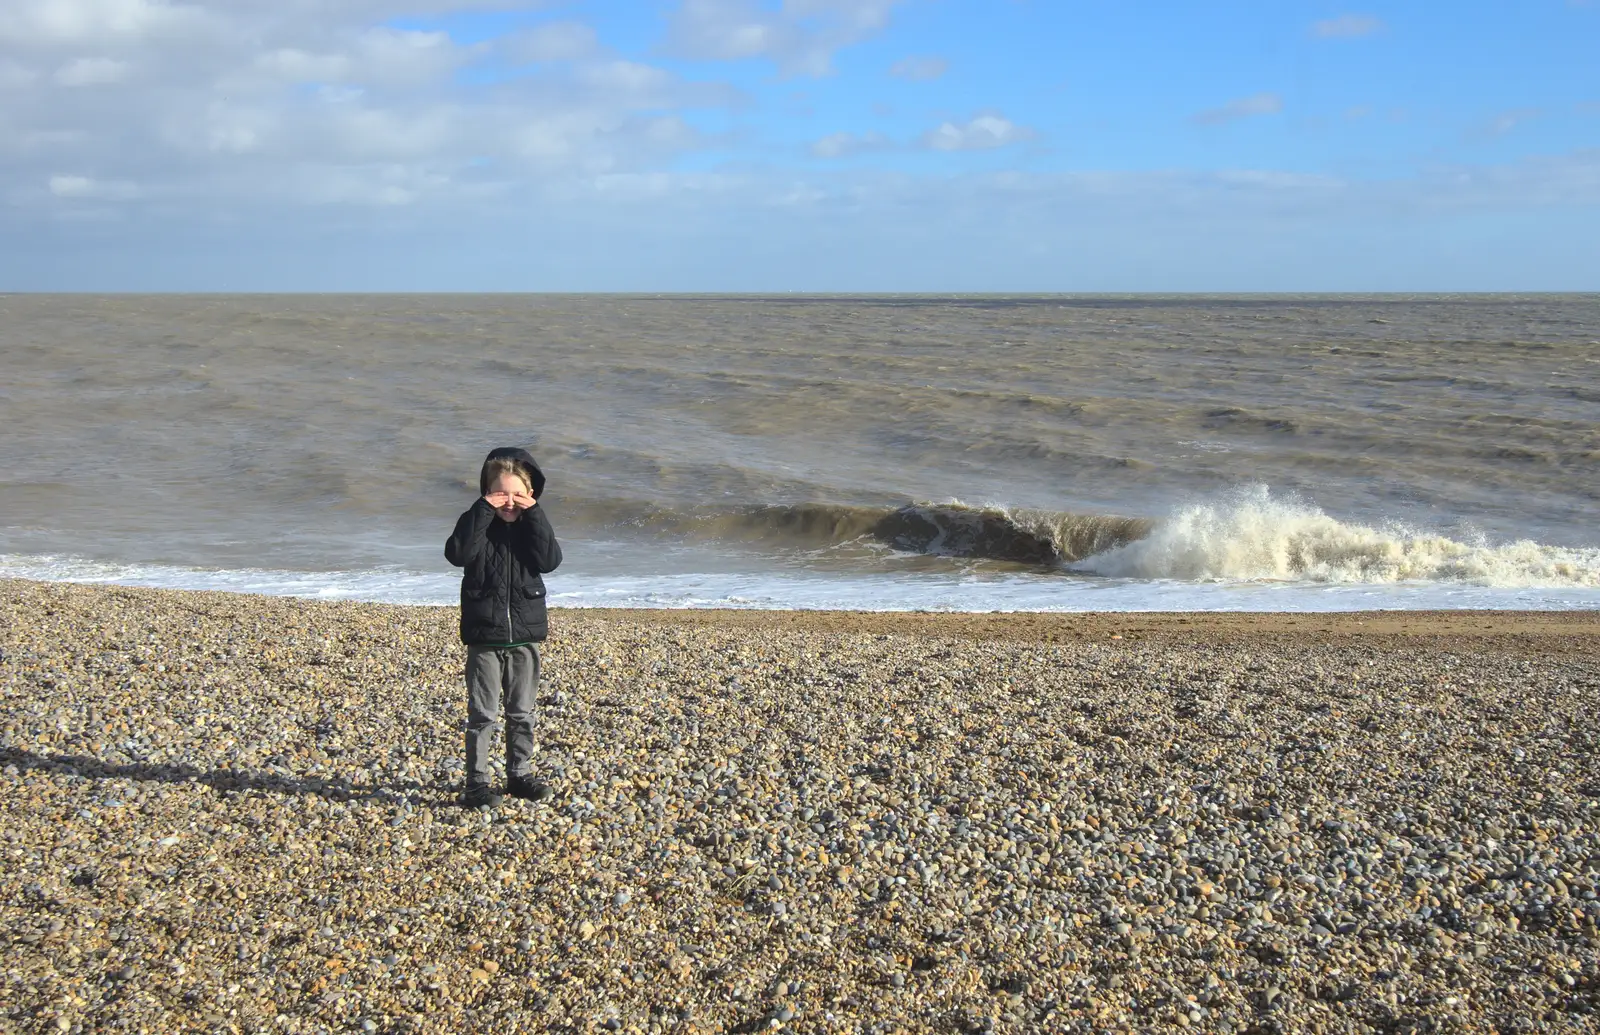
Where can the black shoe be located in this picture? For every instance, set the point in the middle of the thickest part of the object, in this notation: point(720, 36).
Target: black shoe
point(479, 796)
point(529, 789)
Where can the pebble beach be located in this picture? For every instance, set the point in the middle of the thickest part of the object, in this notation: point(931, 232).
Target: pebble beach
point(236, 814)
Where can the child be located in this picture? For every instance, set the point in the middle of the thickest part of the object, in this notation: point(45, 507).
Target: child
point(504, 544)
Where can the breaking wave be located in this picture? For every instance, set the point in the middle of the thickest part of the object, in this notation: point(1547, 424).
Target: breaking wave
point(1251, 535)
point(954, 529)
point(1246, 535)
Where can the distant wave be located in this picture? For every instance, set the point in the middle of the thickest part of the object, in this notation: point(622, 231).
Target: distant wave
point(1252, 535)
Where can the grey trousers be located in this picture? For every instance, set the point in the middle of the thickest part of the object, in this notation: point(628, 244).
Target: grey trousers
point(495, 675)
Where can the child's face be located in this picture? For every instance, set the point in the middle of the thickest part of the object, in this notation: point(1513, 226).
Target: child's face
point(506, 489)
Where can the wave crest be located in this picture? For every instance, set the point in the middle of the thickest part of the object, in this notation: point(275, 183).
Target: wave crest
point(951, 529)
point(996, 533)
point(1247, 535)
point(1253, 536)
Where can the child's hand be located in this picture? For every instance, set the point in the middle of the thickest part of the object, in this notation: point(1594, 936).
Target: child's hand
point(522, 500)
point(498, 500)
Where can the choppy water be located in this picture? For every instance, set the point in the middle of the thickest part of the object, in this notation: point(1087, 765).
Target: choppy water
point(959, 452)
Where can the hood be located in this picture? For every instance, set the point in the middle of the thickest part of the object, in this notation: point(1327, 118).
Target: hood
point(522, 456)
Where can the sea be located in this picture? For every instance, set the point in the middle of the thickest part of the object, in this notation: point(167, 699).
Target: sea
point(877, 452)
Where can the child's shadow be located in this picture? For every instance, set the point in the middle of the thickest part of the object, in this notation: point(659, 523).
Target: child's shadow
point(221, 780)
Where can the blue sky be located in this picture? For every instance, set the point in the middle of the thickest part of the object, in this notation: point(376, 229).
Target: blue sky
point(803, 145)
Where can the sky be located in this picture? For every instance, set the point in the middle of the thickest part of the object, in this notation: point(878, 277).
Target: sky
point(799, 145)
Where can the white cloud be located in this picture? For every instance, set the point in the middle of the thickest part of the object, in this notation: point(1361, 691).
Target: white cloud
point(1274, 179)
point(728, 30)
point(919, 69)
point(554, 41)
point(244, 112)
point(801, 37)
point(358, 133)
point(14, 76)
point(669, 133)
point(863, 15)
point(981, 133)
point(626, 77)
point(395, 57)
point(91, 72)
point(842, 145)
point(398, 227)
point(246, 104)
point(70, 186)
point(292, 65)
point(95, 22)
point(1242, 108)
point(380, 57)
point(1347, 26)
point(370, 186)
point(1544, 180)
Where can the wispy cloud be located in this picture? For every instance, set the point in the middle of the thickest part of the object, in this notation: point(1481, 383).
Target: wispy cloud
point(1347, 26)
point(303, 102)
point(14, 76)
point(982, 133)
point(1504, 122)
point(919, 69)
point(843, 145)
point(801, 37)
point(91, 72)
point(1242, 108)
point(553, 41)
point(69, 186)
point(841, 229)
point(160, 118)
point(101, 22)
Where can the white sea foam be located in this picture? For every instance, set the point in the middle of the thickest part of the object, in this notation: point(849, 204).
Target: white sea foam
point(390, 585)
point(801, 590)
point(1252, 535)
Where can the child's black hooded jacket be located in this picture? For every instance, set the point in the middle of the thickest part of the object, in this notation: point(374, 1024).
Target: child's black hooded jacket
point(502, 593)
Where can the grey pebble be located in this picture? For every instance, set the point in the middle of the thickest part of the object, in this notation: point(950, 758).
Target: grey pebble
point(1084, 793)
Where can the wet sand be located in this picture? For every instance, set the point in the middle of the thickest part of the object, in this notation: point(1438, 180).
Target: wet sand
point(222, 812)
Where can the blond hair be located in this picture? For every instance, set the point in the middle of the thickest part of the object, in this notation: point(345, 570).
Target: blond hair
point(497, 466)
